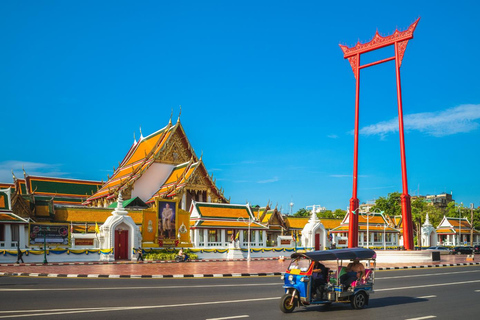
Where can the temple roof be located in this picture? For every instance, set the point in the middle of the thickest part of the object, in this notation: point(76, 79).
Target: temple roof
point(371, 228)
point(59, 190)
point(222, 215)
point(138, 158)
point(11, 217)
point(296, 222)
point(167, 147)
point(330, 223)
point(176, 180)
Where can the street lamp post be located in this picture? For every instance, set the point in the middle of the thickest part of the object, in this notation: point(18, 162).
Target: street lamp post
point(471, 222)
point(460, 223)
point(45, 244)
point(367, 216)
point(384, 239)
point(248, 236)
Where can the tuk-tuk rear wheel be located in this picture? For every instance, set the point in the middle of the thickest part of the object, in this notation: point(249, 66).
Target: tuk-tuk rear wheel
point(359, 300)
point(287, 305)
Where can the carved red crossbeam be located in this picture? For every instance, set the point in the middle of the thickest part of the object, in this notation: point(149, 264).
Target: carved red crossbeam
point(399, 37)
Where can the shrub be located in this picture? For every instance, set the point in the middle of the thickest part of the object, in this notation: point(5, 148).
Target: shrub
point(167, 254)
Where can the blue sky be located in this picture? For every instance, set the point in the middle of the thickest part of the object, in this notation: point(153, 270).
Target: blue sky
point(265, 93)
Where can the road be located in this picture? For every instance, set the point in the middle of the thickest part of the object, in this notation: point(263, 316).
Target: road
point(440, 293)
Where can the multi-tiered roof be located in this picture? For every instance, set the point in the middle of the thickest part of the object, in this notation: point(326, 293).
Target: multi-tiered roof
point(162, 165)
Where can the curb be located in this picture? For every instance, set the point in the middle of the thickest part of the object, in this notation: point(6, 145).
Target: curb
point(207, 275)
point(155, 276)
point(431, 266)
point(126, 262)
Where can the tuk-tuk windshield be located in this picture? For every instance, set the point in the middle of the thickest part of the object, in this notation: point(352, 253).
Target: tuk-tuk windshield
point(299, 263)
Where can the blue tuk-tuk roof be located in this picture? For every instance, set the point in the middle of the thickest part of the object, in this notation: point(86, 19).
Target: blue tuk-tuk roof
point(338, 254)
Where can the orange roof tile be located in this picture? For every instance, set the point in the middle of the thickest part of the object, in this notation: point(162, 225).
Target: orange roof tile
point(297, 223)
point(229, 224)
point(223, 212)
point(330, 223)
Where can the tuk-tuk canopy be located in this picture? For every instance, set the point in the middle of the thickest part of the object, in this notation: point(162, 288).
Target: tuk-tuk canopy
point(338, 254)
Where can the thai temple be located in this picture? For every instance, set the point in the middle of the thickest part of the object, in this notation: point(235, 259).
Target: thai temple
point(162, 196)
point(159, 196)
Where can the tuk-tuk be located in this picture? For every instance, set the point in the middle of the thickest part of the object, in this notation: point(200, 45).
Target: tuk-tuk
point(304, 286)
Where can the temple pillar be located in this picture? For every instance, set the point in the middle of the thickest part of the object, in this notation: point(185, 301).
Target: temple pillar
point(21, 236)
point(205, 238)
point(8, 235)
point(222, 237)
point(184, 201)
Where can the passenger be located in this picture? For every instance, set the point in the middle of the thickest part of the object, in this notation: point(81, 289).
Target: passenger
point(355, 270)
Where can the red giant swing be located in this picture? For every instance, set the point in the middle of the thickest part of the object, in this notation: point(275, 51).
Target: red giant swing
point(399, 39)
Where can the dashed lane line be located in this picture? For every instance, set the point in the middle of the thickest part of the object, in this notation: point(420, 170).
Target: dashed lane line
point(35, 313)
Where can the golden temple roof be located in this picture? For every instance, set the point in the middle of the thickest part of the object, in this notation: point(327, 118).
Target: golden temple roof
point(158, 148)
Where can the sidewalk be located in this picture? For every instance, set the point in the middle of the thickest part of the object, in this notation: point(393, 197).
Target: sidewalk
point(193, 269)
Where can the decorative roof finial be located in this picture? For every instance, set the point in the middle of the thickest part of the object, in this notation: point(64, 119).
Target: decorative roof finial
point(179, 114)
point(427, 221)
point(171, 115)
point(24, 173)
point(134, 139)
point(120, 200)
point(13, 175)
point(141, 135)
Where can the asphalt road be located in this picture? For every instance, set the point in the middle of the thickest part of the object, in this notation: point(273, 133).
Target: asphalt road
point(441, 293)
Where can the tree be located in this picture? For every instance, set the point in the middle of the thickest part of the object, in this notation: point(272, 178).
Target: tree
point(390, 205)
point(339, 214)
point(302, 213)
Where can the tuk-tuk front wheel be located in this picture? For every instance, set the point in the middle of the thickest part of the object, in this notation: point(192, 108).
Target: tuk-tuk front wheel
point(287, 304)
point(359, 300)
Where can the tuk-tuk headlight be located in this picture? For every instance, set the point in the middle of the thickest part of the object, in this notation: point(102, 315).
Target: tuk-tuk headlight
point(290, 278)
point(304, 279)
point(282, 277)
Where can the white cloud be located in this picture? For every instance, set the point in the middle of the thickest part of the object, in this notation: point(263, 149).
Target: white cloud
point(31, 168)
point(274, 179)
point(341, 175)
point(332, 136)
point(461, 119)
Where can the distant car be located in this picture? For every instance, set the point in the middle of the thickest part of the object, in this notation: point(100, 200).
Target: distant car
point(476, 248)
point(443, 250)
point(462, 250)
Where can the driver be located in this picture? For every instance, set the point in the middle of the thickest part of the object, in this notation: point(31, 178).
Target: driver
point(318, 274)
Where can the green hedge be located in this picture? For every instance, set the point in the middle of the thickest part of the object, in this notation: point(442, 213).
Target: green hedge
point(167, 255)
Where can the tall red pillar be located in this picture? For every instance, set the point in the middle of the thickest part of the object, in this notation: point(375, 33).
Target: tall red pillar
point(399, 40)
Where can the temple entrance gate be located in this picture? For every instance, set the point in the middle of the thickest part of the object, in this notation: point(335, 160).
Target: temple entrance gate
point(121, 244)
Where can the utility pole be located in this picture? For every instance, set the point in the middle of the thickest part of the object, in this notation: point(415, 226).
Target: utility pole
point(471, 222)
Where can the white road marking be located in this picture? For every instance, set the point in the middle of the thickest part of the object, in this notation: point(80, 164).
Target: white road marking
point(477, 290)
point(421, 318)
point(140, 288)
point(428, 285)
point(34, 313)
point(426, 297)
point(424, 275)
point(233, 317)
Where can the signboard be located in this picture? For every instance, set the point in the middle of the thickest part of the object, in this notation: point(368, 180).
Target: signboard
point(167, 212)
point(56, 234)
point(83, 242)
